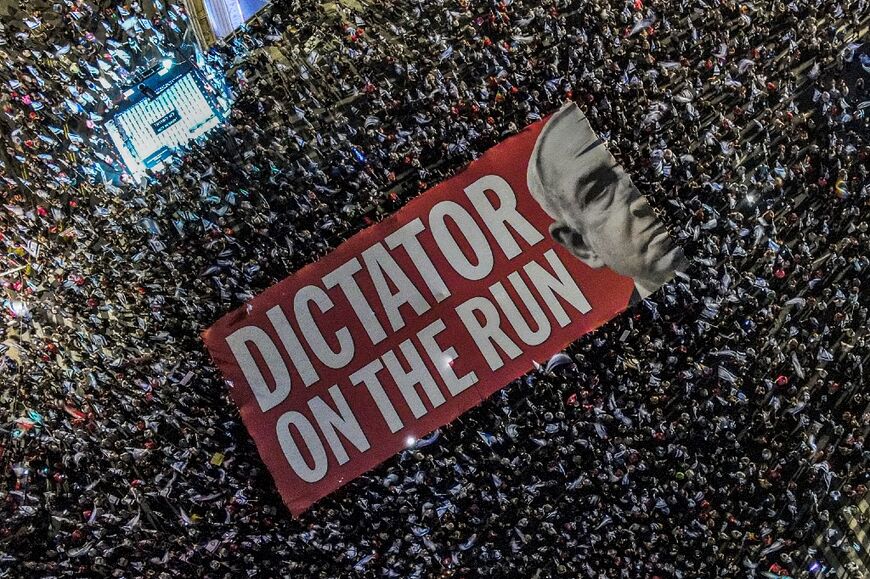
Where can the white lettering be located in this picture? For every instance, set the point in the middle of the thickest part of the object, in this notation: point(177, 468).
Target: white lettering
point(443, 359)
point(489, 333)
point(312, 333)
point(291, 343)
point(418, 374)
point(406, 237)
point(498, 219)
point(381, 265)
point(238, 343)
point(291, 449)
point(343, 421)
point(516, 319)
point(452, 252)
point(563, 284)
point(343, 277)
point(368, 376)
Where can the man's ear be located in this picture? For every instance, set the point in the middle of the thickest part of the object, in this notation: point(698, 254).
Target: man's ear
point(574, 242)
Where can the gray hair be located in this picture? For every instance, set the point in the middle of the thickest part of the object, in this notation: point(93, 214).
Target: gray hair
point(566, 135)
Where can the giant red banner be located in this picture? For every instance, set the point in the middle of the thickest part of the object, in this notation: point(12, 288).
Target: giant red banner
point(417, 319)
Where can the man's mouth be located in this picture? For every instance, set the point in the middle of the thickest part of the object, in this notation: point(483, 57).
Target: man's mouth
point(662, 235)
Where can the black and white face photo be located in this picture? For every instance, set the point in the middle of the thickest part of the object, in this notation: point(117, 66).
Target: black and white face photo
point(600, 216)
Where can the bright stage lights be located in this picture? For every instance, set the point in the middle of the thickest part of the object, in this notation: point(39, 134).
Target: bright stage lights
point(165, 66)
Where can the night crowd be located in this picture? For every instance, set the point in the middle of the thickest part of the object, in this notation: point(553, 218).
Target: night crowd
point(717, 429)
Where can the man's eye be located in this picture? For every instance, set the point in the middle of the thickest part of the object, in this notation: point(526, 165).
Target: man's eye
point(599, 194)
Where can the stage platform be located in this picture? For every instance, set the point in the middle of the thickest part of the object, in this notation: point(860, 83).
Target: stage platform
point(171, 107)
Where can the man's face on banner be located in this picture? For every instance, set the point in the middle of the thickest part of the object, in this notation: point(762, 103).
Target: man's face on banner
point(600, 216)
point(613, 225)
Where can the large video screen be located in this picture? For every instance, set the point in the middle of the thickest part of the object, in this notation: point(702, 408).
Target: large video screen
point(225, 16)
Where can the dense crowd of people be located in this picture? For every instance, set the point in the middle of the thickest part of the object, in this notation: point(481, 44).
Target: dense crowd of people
point(715, 430)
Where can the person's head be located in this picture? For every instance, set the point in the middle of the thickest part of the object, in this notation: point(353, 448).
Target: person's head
point(599, 214)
